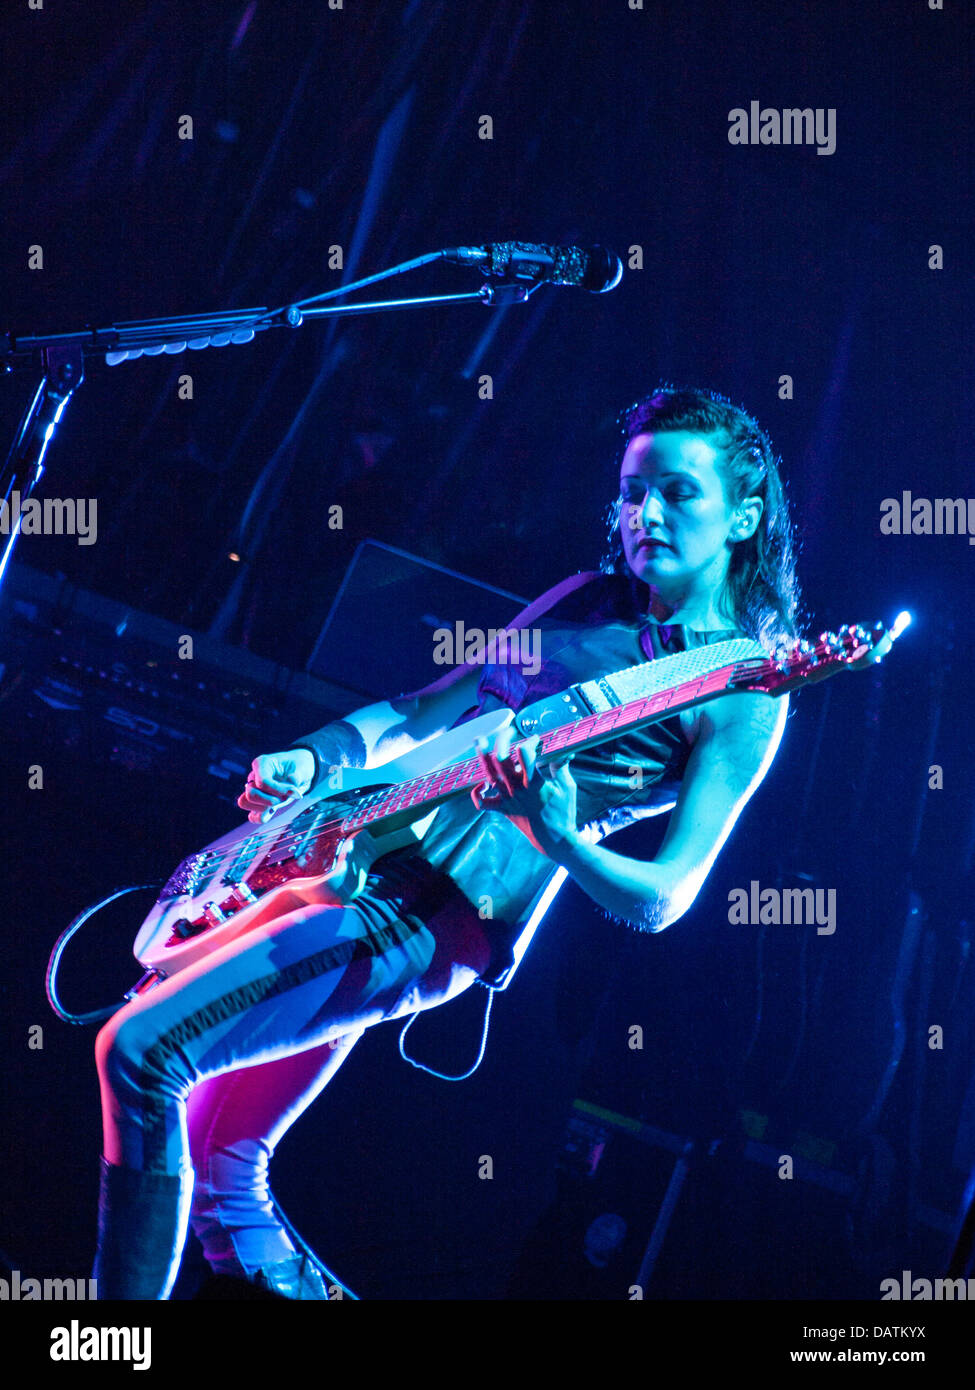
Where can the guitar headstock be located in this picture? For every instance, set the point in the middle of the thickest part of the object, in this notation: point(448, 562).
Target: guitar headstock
point(849, 649)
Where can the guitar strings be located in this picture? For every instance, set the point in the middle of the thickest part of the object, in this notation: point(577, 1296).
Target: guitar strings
point(290, 837)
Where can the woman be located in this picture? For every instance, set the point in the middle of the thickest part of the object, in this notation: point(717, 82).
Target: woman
point(202, 1076)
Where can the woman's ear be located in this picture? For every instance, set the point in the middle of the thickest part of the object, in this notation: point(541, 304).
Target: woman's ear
point(748, 513)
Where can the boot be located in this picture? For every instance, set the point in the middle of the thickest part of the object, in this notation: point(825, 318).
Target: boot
point(142, 1221)
point(247, 1239)
point(302, 1277)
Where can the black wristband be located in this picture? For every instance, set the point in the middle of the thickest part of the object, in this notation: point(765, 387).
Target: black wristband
point(336, 745)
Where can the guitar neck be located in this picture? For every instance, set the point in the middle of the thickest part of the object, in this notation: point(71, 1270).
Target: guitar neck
point(601, 709)
point(583, 731)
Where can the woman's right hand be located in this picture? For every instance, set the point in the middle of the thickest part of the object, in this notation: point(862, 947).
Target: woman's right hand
point(274, 779)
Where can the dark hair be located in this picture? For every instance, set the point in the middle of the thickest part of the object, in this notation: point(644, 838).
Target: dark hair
point(761, 584)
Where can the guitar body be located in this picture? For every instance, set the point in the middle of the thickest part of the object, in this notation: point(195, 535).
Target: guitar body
point(301, 856)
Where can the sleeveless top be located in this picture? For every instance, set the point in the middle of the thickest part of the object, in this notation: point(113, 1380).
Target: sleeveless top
point(590, 625)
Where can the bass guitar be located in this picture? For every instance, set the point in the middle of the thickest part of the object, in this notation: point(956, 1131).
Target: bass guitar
point(320, 848)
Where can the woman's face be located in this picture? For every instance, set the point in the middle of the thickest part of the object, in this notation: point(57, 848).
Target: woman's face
point(675, 520)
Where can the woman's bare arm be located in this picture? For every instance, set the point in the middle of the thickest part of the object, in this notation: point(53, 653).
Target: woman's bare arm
point(738, 736)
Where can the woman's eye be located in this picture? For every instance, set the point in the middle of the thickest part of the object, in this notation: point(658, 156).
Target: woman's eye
point(635, 496)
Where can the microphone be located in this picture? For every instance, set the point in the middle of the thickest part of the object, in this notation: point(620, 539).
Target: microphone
point(593, 268)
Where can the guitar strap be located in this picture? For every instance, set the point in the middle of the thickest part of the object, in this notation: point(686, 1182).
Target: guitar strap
point(650, 677)
point(634, 683)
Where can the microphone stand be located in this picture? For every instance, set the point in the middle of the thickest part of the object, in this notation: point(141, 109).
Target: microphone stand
point(60, 357)
point(63, 370)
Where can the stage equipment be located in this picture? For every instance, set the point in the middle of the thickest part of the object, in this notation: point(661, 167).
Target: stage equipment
point(518, 269)
point(397, 601)
point(88, 676)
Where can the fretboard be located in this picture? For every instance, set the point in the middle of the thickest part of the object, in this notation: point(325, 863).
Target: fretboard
point(584, 731)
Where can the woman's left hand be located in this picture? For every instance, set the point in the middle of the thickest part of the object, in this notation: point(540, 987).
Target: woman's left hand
point(540, 801)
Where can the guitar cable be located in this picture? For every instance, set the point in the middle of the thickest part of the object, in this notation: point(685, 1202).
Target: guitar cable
point(99, 1015)
point(421, 1066)
point(54, 961)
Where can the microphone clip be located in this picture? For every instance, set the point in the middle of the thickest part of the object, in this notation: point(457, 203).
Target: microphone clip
point(507, 292)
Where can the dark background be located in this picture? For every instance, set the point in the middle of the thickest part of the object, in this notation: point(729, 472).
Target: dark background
point(359, 127)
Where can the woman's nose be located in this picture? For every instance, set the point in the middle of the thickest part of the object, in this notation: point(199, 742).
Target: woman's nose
point(651, 510)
